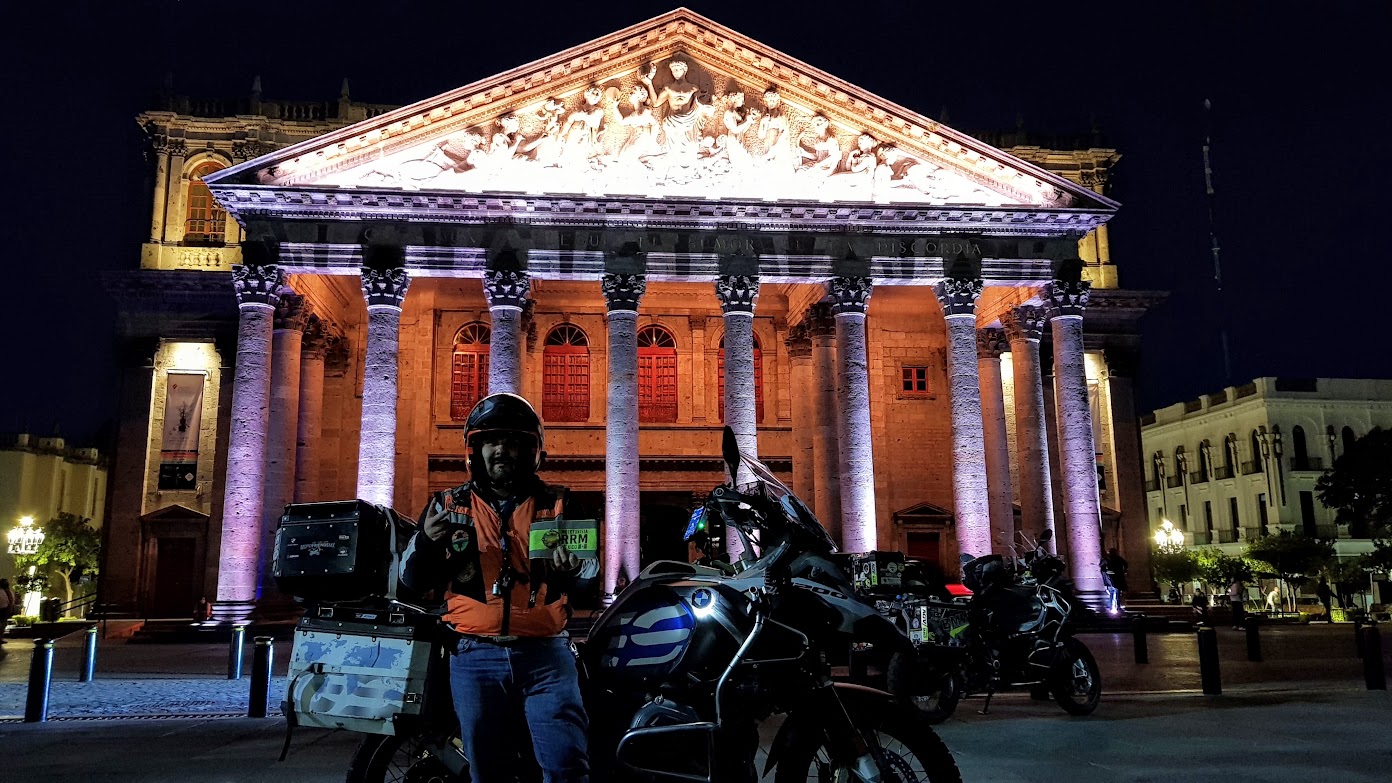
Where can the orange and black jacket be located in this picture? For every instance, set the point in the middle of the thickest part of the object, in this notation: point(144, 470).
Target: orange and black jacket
point(468, 565)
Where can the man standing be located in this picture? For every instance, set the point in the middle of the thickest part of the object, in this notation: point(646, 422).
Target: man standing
point(1237, 597)
point(1114, 565)
point(1326, 596)
point(513, 658)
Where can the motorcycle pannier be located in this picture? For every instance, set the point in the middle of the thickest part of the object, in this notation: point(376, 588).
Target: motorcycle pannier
point(336, 551)
point(364, 673)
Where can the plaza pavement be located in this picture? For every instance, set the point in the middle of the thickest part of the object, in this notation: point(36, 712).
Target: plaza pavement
point(1302, 715)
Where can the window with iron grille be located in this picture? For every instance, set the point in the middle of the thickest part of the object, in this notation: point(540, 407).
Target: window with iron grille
point(205, 222)
point(914, 379)
point(469, 369)
point(657, 375)
point(758, 381)
point(565, 392)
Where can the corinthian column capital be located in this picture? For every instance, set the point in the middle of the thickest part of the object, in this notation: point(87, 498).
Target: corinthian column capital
point(506, 288)
point(958, 296)
point(622, 291)
point(257, 285)
point(991, 343)
point(316, 337)
point(1025, 322)
point(292, 312)
point(849, 295)
point(799, 341)
point(1067, 299)
point(819, 321)
point(737, 293)
point(385, 287)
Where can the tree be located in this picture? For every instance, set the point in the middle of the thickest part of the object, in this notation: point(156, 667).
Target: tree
point(70, 548)
point(1219, 569)
point(1173, 565)
point(1291, 556)
point(1358, 486)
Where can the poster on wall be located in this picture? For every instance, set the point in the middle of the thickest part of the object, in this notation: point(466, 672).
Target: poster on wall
point(183, 417)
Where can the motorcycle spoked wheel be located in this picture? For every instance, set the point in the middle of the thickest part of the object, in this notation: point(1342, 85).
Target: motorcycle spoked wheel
point(401, 758)
point(1076, 681)
point(913, 753)
point(933, 691)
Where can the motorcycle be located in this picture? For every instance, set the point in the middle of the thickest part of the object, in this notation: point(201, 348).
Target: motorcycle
point(1016, 633)
point(680, 671)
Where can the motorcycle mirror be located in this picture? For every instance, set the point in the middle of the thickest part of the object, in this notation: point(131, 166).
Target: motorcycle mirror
point(1047, 535)
point(729, 449)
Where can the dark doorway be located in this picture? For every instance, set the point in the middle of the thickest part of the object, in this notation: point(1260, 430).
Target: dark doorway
point(662, 523)
point(174, 593)
point(1307, 514)
point(925, 546)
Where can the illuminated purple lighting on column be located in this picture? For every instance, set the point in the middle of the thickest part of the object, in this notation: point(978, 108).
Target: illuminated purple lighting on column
point(1077, 451)
point(622, 292)
point(850, 295)
point(738, 295)
point(258, 290)
point(990, 344)
point(969, 493)
point(1023, 327)
point(385, 290)
point(506, 292)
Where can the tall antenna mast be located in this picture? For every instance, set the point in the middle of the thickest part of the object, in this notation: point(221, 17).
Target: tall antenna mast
point(1213, 244)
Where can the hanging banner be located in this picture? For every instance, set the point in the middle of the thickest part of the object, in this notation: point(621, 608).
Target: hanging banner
point(183, 417)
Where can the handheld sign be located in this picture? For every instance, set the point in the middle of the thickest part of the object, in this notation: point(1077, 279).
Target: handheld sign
point(579, 536)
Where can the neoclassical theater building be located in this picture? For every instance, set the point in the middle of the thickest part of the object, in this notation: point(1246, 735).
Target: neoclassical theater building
point(650, 236)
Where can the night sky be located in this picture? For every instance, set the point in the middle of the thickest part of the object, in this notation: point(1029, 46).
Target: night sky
point(1301, 126)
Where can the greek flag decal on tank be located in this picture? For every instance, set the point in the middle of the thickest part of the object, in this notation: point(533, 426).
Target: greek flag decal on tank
point(652, 634)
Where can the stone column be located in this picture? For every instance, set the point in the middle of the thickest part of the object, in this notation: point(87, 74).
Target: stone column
point(969, 487)
point(850, 296)
point(799, 344)
point(311, 419)
point(990, 344)
point(258, 291)
point(384, 289)
point(1023, 327)
point(738, 295)
point(826, 455)
point(506, 292)
point(622, 292)
point(1077, 452)
point(291, 314)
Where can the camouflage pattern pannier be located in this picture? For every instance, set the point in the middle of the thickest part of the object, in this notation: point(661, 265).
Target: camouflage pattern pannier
point(362, 673)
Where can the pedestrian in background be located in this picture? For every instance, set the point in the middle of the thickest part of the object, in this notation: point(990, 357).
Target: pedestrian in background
point(1272, 599)
point(1237, 598)
point(8, 607)
point(1200, 604)
point(1326, 595)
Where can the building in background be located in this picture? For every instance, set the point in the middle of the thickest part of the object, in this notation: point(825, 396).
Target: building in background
point(1242, 463)
point(41, 478)
point(651, 235)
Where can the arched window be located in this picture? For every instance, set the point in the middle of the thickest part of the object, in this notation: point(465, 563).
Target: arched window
point(1300, 452)
point(1181, 466)
point(1205, 470)
point(1229, 454)
point(1349, 438)
point(758, 381)
point(205, 222)
point(1256, 454)
point(469, 369)
point(657, 375)
point(1157, 467)
point(565, 394)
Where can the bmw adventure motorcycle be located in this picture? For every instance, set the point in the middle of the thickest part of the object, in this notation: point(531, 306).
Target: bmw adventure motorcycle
point(1017, 634)
point(681, 670)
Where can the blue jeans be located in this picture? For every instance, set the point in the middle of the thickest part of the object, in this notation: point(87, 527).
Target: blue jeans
point(494, 686)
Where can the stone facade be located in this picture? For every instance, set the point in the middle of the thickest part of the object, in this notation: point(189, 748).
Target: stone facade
point(851, 392)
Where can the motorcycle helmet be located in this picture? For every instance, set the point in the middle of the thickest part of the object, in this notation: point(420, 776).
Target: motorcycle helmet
point(503, 412)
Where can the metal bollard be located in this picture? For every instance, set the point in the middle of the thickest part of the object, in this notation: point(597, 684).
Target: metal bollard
point(263, 651)
point(40, 678)
point(234, 652)
point(1139, 639)
point(1374, 670)
point(89, 657)
point(1253, 625)
point(1358, 637)
point(1209, 673)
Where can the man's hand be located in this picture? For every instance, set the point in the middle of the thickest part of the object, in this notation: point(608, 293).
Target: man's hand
point(436, 525)
point(564, 559)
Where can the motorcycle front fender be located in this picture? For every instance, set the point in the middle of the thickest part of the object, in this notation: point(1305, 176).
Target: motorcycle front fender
point(800, 722)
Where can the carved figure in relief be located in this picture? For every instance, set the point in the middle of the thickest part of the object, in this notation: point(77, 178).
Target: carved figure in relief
point(581, 130)
point(681, 123)
point(861, 162)
point(642, 142)
point(737, 120)
point(820, 149)
point(546, 148)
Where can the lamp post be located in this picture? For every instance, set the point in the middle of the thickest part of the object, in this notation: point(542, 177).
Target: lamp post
point(1168, 539)
point(25, 539)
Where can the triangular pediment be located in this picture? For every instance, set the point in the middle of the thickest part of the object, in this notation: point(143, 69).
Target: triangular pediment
point(675, 107)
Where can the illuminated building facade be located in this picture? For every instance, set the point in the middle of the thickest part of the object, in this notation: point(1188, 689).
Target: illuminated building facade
point(650, 235)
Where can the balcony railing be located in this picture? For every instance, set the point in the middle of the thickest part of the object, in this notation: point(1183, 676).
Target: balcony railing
point(1249, 468)
point(1227, 536)
point(1308, 463)
point(1174, 481)
point(1152, 485)
point(1222, 472)
point(1198, 478)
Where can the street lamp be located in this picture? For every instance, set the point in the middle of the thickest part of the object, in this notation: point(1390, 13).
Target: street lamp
point(1167, 538)
point(25, 539)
